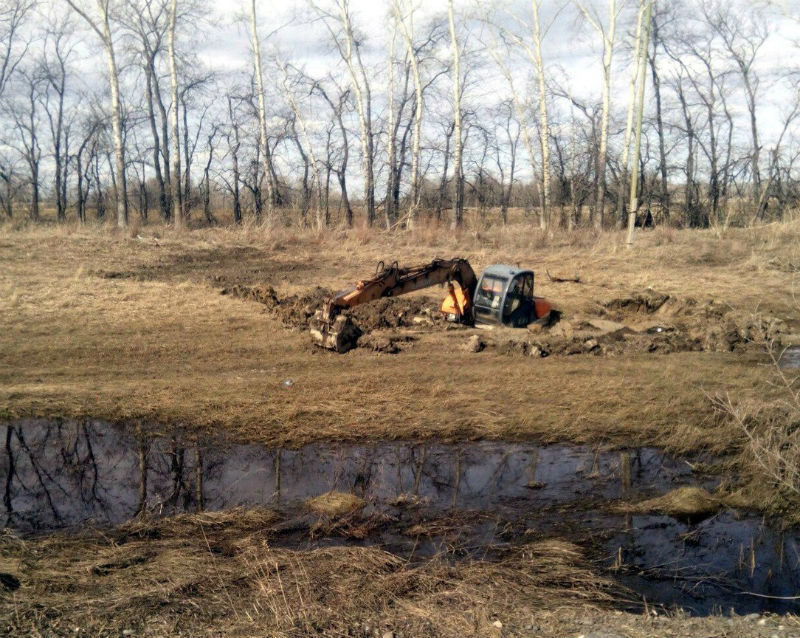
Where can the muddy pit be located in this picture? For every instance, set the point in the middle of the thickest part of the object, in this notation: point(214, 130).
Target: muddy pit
point(641, 322)
point(473, 501)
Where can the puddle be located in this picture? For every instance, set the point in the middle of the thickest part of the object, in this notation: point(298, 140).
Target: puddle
point(469, 500)
point(790, 357)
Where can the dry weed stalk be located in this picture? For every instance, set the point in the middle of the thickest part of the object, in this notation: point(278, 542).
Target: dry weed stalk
point(771, 429)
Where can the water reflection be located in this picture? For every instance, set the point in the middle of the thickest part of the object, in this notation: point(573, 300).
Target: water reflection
point(57, 475)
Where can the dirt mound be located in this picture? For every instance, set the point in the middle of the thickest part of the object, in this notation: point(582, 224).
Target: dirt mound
point(396, 312)
point(293, 310)
point(297, 310)
point(644, 302)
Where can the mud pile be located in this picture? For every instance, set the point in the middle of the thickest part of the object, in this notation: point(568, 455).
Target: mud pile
point(297, 311)
point(396, 312)
point(294, 311)
point(648, 321)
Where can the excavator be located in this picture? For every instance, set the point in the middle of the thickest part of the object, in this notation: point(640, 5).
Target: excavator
point(503, 295)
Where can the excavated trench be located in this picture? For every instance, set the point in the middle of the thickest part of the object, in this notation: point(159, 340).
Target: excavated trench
point(642, 321)
point(648, 520)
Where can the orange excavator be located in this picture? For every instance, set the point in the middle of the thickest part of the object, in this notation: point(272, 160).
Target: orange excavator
point(503, 295)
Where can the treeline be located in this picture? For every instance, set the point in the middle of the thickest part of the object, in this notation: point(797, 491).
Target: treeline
point(116, 108)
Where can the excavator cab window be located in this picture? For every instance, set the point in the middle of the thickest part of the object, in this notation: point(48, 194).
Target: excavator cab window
point(490, 292)
point(519, 300)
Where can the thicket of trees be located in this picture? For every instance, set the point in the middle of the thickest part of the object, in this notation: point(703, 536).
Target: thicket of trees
point(116, 105)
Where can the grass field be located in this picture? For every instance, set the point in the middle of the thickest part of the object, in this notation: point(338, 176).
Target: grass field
point(110, 326)
point(132, 327)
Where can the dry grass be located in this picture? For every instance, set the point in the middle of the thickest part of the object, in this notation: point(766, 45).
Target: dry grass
point(335, 503)
point(200, 577)
point(97, 323)
point(683, 502)
point(218, 575)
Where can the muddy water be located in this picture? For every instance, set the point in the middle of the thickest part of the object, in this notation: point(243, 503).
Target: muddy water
point(790, 357)
point(468, 501)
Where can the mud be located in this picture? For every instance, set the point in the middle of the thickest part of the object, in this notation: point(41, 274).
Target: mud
point(374, 320)
point(646, 322)
point(790, 357)
point(469, 501)
point(292, 310)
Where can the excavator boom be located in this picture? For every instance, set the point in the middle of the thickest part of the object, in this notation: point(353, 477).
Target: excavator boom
point(330, 329)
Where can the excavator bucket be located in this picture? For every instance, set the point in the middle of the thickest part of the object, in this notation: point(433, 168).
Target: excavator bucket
point(340, 334)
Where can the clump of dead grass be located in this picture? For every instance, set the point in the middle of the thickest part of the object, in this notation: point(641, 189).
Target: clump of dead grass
point(683, 502)
point(335, 503)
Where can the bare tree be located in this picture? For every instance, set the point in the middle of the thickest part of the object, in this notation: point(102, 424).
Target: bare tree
point(101, 25)
point(637, 144)
point(58, 48)
point(305, 146)
point(624, 161)
point(406, 21)
point(25, 113)
point(176, 195)
point(337, 108)
point(13, 15)
point(262, 113)
point(458, 177)
point(607, 34)
point(743, 36)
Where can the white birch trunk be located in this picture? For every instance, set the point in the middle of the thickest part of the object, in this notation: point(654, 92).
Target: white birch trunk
point(544, 130)
point(624, 158)
point(388, 206)
point(363, 99)
point(175, 151)
point(608, 52)
point(458, 212)
point(103, 30)
point(634, 204)
point(262, 111)
point(408, 33)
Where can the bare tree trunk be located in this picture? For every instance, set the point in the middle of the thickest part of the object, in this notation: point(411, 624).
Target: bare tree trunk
point(151, 116)
point(626, 147)
point(458, 176)
point(634, 204)
point(443, 182)
point(363, 95)
point(602, 151)
point(104, 31)
point(309, 148)
point(388, 206)
point(234, 151)
point(544, 129)
point(262, 115)
point(662, 155)
point(408, 33)
point(177, 204)
point(207, 177)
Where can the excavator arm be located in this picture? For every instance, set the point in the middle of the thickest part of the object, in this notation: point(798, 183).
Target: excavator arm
point(330, 329)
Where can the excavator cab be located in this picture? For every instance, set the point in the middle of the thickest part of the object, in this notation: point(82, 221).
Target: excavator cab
point(504, 295)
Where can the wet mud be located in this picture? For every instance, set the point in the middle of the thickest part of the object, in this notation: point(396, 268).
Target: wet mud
point(641, 322)
point(471, 501)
